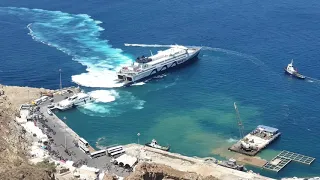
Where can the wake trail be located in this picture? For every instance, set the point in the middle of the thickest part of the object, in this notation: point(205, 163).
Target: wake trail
point(206, 48)
point(310, 79)
point(253, 59)
point(147, 45)
point(77, 35)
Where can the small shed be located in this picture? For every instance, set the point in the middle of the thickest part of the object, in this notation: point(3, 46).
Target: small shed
point(126, 161)
point(268, 129)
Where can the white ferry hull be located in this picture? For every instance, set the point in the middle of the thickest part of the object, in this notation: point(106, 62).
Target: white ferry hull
point(83, 102)
point(157, 70)
point(74, 104)
point(63, 108)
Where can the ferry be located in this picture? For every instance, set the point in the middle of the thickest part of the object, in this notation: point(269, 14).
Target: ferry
point(154, 144)
point(75, 100)
point(293, 72)
point(145, 67)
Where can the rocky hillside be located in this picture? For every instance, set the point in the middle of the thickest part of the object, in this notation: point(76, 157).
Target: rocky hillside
point(13, 141)
point(155, 171)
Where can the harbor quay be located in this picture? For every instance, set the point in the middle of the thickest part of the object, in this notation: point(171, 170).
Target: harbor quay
point(63, 141)
point(63, 146)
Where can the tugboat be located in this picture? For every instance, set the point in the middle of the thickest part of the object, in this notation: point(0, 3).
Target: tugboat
point(155, 145)
point(293, 72)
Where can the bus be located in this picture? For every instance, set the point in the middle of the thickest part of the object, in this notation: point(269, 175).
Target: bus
point(98, 153)
point(83, 142)
point(85, 149)
point(114, 149)
point(117, 152)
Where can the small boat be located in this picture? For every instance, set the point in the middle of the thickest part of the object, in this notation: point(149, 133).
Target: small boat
point(155, 145)
point(293, 72)
point(232, 164)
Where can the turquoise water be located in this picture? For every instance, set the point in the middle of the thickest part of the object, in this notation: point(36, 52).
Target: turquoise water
point(247, 44)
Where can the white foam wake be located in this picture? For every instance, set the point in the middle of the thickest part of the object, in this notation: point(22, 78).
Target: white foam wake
point(253, 59)
point(138, 84)
point(77, 35)
point(104, 95)
point(110, 103)
point(147, 45)
point(231, 140)
point(101, 141)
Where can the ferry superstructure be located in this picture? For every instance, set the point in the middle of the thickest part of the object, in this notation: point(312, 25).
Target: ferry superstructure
point(145, 67)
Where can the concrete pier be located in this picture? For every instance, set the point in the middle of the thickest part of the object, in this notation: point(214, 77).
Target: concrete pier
point(65, 134)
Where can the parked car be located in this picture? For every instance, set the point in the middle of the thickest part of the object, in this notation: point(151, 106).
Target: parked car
point(50, 106)
point(49, 112)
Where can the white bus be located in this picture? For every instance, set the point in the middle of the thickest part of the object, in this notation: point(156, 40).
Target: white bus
point(85, 149)
point(98, 153)
point(83, 142)
point(114, 149)
point(37, 101)
point(44, 98)
point(117, 152)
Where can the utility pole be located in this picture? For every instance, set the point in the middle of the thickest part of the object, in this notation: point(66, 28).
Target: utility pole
point(28, 93)
point(138, 137)
point(65, 132)
point(240, 124)
point(60, 82)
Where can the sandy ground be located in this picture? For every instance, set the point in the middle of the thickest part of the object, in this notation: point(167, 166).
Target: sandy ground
point(13, 140)
point(20, 95)
point(190, 164)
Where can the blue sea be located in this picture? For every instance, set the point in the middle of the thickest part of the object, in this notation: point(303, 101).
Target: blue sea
point(246, 46)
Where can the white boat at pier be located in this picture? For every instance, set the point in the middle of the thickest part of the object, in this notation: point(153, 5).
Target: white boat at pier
point(75, 100)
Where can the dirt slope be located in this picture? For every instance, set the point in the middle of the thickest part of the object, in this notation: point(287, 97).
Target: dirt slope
point(13, 142)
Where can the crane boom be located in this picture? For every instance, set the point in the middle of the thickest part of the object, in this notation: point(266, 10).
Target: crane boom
point(240, 124)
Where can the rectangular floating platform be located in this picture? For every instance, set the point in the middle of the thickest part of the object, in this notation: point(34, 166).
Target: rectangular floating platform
point(284, 158)
point(261, 137)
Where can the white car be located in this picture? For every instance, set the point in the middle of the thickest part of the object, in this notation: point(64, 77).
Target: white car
point(49, 112)
point(50, 106)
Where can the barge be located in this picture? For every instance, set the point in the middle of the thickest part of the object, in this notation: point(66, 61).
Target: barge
point(256, 140)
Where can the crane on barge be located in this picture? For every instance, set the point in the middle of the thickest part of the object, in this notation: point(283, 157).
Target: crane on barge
point(240, 124)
